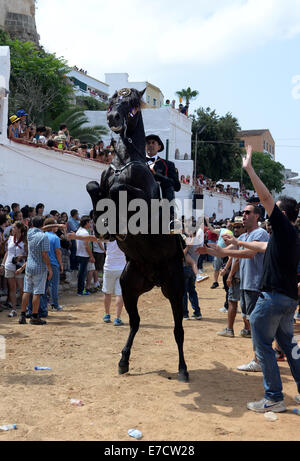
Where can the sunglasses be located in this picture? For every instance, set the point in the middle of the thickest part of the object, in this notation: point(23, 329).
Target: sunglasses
point(238, 227)
point(246, 212)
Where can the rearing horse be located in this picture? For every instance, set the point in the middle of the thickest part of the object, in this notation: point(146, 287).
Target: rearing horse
point(151, 259)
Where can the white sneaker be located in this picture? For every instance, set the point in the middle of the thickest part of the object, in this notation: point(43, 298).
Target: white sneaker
point(297, 398)
point(200, 278)
point(264, 405)
point(57, 308)
point(224, 310)
point(226, 332)
point(251, 366)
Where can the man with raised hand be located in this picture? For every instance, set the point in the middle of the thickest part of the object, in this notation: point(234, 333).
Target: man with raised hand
point(274, 312)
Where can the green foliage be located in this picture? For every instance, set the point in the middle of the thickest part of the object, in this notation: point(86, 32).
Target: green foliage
point(90, 103)
point(38, 81)
point(270, 172)
point(75, 119)
point(218, 149)
point(187, 94)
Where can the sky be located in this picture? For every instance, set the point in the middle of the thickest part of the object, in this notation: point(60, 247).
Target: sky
point(241, 55)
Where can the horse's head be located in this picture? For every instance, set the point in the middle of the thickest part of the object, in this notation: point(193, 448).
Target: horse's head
point(123, 108)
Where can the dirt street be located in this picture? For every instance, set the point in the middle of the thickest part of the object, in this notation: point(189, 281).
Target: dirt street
point(83, 354)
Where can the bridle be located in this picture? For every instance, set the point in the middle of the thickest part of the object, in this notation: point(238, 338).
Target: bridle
point(118, 171)
point(126, 139)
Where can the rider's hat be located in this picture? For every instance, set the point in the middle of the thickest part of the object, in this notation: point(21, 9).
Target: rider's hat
point(157, 139)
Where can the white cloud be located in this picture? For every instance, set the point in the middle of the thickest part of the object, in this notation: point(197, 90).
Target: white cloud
point(143, 35)
point(232, 29)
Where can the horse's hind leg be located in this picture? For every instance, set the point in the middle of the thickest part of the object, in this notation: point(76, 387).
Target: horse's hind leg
point(133, 285)
point(173, 289)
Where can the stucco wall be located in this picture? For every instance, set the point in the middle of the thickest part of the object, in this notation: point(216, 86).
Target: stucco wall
point(4, 85)
point(169, 125)
point(222, 205)
point(30, 175)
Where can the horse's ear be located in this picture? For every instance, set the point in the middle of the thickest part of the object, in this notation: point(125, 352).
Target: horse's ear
point(141, 93)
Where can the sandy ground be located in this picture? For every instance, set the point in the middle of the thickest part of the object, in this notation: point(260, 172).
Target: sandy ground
point(83, 353)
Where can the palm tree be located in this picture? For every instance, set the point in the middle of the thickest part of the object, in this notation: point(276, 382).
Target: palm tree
point(75, 119)
point(187, 94)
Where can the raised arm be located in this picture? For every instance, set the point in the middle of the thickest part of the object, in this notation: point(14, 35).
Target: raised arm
point(265, 196)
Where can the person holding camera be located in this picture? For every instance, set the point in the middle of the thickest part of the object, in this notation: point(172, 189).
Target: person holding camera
point(14, 262)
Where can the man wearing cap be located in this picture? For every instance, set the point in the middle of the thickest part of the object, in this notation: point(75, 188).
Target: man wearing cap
point(233, 281)
point(21, 114)
point(164, 171)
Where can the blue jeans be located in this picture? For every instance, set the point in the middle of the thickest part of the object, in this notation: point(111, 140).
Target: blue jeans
point(273, 317)
point(200, 261)
point(53, 284)
point(73, 257)
point(210, 258)
point(190, 291)
point(43, 309)
point(82, 273)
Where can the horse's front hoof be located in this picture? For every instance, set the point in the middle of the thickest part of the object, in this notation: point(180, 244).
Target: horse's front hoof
point(123, 369)
point(183, 377)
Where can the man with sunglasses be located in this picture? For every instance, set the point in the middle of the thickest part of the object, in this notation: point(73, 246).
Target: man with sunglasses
point(274, 312)
point(251, 264)
point(273, 316)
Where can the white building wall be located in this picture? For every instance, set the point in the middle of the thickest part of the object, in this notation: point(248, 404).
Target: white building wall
point(117, 81)
point(89, 81)
point(224, 206)
point(168, 124)
point(291, 190)
point(4, 87)
point(30, 175)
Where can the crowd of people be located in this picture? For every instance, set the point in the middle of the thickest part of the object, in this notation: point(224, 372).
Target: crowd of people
point(202, 183)
point(43, 136)
point(39, 252)
point(259, 263)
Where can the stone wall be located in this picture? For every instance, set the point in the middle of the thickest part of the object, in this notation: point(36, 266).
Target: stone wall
point(17, 17)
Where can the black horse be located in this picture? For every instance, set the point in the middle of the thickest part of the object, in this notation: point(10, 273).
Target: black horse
point(151, 259)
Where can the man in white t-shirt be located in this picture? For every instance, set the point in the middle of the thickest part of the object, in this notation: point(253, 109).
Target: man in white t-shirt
point(84, 255)
point(115, 262)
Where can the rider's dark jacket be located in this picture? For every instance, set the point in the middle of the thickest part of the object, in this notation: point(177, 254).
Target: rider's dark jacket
point(167, 176)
